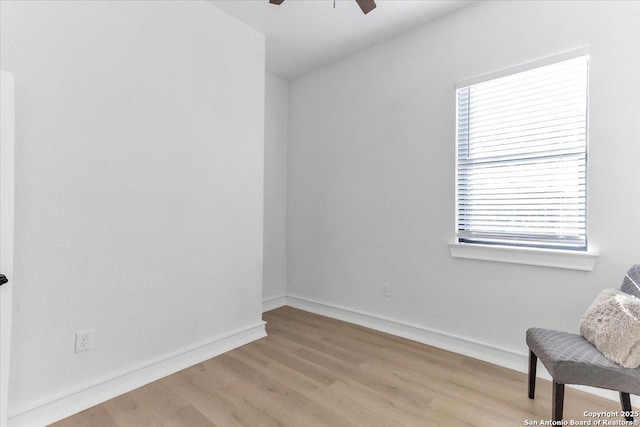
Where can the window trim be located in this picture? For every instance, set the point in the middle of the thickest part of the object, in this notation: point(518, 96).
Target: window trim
point(561, 258)
point(525, 67)
point(556, 258)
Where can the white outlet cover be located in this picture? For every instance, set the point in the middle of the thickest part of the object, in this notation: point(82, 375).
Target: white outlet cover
point(386, 289)
point(83, 341)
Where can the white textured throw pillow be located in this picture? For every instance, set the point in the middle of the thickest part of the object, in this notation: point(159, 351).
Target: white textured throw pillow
point(612, 324)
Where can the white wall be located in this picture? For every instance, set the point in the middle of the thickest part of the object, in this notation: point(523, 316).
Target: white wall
point(275, 189)
point(371, 173)
point(139, 186)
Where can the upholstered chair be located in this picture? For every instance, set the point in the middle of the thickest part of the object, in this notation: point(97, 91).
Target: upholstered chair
point(570, 359)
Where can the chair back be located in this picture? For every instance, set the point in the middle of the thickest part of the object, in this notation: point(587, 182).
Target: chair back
point(631, 282)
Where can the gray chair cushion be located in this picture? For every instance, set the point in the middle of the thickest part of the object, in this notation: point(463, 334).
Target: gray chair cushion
point(570, 359)
point(631, 282)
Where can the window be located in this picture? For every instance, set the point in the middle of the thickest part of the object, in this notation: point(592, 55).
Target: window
point(522, 156)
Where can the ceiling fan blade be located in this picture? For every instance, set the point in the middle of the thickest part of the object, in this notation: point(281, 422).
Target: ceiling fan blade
point(276, 1)
point(366, 5)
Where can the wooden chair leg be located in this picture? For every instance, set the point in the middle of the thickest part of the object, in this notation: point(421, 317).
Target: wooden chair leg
point(625, 400)
point(533, 364)
point(558, 401)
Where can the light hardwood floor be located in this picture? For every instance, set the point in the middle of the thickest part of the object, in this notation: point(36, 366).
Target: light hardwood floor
point(316, 371)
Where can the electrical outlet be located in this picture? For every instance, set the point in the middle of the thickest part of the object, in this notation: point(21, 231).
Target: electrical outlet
point(83, 341)
point(386, 289)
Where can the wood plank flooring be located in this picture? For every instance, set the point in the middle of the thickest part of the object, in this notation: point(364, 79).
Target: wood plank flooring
point(316, 371)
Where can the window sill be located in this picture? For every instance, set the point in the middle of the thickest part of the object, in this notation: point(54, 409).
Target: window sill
point(584, 261)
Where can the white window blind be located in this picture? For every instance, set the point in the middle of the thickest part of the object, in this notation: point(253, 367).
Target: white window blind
point(522, 158)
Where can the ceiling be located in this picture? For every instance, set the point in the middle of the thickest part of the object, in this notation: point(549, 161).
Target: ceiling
point(303, 35)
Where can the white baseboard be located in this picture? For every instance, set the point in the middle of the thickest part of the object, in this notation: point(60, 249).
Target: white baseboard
point(457, 344)
point(63, 406)
point(273, 303)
